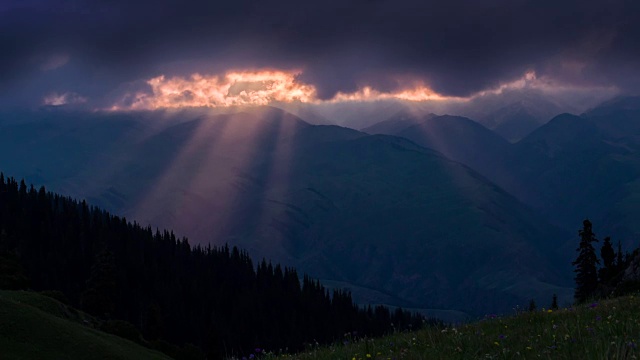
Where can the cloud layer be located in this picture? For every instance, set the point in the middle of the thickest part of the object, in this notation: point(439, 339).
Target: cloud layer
point(455, 48)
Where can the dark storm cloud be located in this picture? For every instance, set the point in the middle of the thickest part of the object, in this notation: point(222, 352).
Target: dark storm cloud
point(457, 46)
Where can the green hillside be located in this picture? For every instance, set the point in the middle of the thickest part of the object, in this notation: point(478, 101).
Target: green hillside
point(601, 330)
point(34, 326)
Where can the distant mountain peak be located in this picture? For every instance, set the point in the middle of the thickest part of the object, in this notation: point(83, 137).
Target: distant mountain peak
point(519, 118)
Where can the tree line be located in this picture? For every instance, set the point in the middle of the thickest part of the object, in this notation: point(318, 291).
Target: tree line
point(593, 281)
point(188, 301)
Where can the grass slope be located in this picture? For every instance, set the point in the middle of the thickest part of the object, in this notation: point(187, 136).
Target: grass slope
point(603, 330)
point(34, 326)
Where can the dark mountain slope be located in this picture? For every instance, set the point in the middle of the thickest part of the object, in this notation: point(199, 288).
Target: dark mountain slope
point(577, 167)
point(458, 138)
point(373, 211)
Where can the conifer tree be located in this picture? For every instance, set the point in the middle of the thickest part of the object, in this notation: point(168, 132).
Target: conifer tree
point(532, 305)
point(99, 298)
point(554, 302)
point(586, 264)
point(12, 276)
point(608, 256)
point(619, 260)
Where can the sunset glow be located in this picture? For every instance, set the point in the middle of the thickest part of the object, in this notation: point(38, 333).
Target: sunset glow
point(234, 88)
point(250, 88)
point(421, 93)
point(264, 87)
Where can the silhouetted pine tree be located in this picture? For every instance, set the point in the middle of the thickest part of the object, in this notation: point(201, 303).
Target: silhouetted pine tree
point(620, 259)
point(554, 302)
point(586, 270)
point(532, 305)
point(608, 256)
point(100, 297)
point(12, 275)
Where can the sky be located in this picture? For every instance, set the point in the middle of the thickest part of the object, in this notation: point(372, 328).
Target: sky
point(149, 54)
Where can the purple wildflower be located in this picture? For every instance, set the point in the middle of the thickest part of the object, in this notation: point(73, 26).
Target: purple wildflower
point(598, 318)
point(593, 305)
point(502, 336)
point(258, 350)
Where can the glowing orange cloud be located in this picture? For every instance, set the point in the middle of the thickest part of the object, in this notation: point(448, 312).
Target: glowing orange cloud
point(421, 93)
point(250, 88)
point(234, 88)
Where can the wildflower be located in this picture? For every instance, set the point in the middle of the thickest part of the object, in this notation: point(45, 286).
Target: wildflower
point(528, 347)
point(549, 311)
point(598, 318)
point(632, 344)
point(258, 350)
point(496, 343)
point(369, 356)
point(251, 356)
point(593, 305)
point(502, 336)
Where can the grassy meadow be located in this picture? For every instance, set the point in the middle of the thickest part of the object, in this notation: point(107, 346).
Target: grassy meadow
point(607, 329)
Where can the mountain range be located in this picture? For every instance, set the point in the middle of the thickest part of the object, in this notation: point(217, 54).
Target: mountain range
point(430, 212)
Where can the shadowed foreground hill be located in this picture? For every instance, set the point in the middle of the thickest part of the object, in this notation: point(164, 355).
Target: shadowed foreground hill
point(33, 326)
